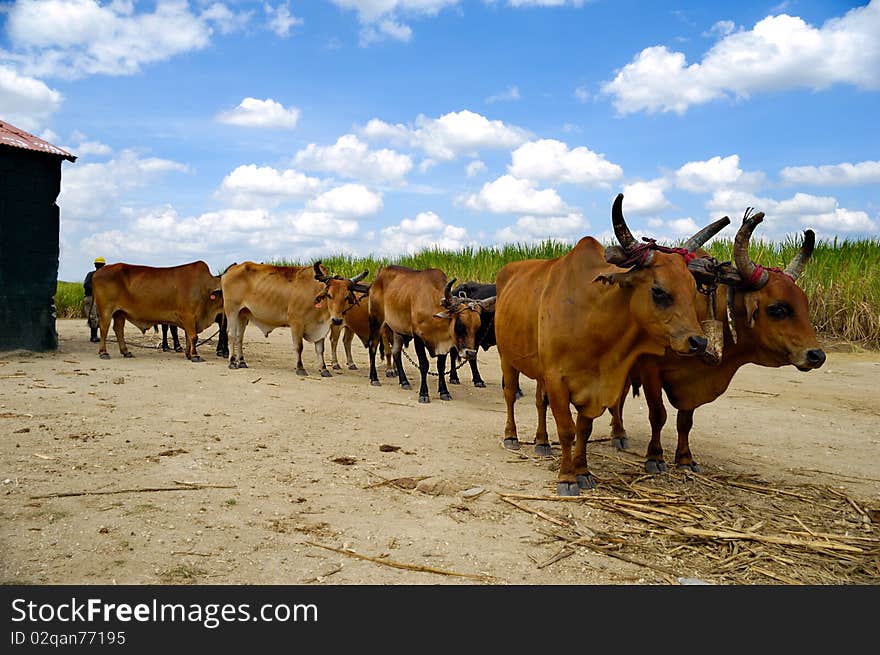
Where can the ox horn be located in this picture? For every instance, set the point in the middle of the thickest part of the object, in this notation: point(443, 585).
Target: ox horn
point(447, 292)
point(621, 231)
point(705, 234)
point(744, 264)
point(358, 278)
point(320, 276)
point(796, 265)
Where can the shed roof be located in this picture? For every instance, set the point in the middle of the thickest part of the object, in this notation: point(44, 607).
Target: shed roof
point(18, 138)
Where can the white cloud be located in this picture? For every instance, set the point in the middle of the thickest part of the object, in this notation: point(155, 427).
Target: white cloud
point(73, 38)
point(545, 3)
point(845, 174)
point(551, 160)
point(252, 112)
point(511, 195)
point(645, 197)
point(351, 157)
point(350, 200)
point(780, 52)
point(717, 172)
point(569, 227)
point(373, 10)
point(450, 135)
point(280, 20)
point(26, 102)
point(801, 210)
point(266, 186)
point(88, 191)
point(385, 29)
point(721, 28)
point(582, 94)
point(426, 230)
point(475, 167)
point(512, 93)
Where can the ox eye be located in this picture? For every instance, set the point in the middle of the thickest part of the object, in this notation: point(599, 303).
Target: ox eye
point(779, 311)
point(661, 297)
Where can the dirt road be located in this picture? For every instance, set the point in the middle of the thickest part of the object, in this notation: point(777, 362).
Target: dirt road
point(299, 466)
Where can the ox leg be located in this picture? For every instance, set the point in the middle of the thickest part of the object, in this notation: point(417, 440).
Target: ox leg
point(654, 462)
point(372, 345)
point(683, 458)
point(222, 336)
point(424, 365)
point(192, 340)
point(165, 347)
point(347, 338)
point(335, 331)
point(566, 481)
point(509, 385)
point(453, 366)
point(175, 339)
point(385, 344)
point(104, 326)
point(583, 430)
point(319, 351)
point(475, 374)
point(542, 441)
point(619, 437)
point(441, 373)
point(398, 362)
point(119, 329)
point(297, 334)
point(236, 325)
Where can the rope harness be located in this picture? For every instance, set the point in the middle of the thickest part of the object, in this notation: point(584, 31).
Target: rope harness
point(432, 373)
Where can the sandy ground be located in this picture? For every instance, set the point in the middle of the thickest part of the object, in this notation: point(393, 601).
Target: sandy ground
point(301, 463)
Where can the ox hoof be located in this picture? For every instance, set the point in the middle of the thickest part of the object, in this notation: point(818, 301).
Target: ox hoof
point(519, 394)
point(165, 349)
point(455, 381)
point(127, 355)
point(223, 353)
point(653, 466)
point(178, 349)
point(406, 386)
point(95, 340)
point(375, 383)
point(325, 373)
point(104, 355)
point(197, 359)
point(242, 364)
point(446, 396)
point(567, 489)
point(511, 443)
point(586, 481)
point(543, 449)
point(337, 367)
point(693, 466)
point(301, 371)
point(479, 384)
point(233, 365)
point(424, 399)
point(352, 367)
point(621, 443)
point(390, 374)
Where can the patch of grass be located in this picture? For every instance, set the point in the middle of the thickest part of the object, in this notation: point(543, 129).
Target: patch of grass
point(68, 299)
point(842, 279)
point(231, 502)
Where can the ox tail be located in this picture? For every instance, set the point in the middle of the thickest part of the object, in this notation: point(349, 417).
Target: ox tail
point(636, 386)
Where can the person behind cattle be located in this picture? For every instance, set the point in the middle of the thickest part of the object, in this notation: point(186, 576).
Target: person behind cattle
point(90, 309)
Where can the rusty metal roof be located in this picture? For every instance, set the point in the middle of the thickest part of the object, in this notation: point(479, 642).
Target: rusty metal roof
point(17, 138)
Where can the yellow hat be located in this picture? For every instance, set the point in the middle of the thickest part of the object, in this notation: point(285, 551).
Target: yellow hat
point(100, 260)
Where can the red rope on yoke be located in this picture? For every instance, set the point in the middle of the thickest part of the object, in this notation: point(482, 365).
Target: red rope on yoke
point(639, 253)
point(759, 271)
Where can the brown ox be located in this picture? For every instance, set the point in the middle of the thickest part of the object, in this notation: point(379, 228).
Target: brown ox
point(304, 298)
point(419, 305)
point(769, 325)
point(577, 323)
point(187, 296)
point(356, 322)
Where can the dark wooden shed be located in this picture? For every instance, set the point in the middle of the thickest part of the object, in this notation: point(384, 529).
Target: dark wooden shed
point(30, 180)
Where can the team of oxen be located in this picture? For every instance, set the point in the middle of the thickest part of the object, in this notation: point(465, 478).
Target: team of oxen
point(587, 326)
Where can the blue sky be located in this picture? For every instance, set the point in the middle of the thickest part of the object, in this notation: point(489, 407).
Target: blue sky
point(238, 130)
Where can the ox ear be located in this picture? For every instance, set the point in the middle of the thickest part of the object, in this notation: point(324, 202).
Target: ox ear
point(627, 279)
point(751, 300)
point(488, 304)
point(216, 293)
point(442, 315)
